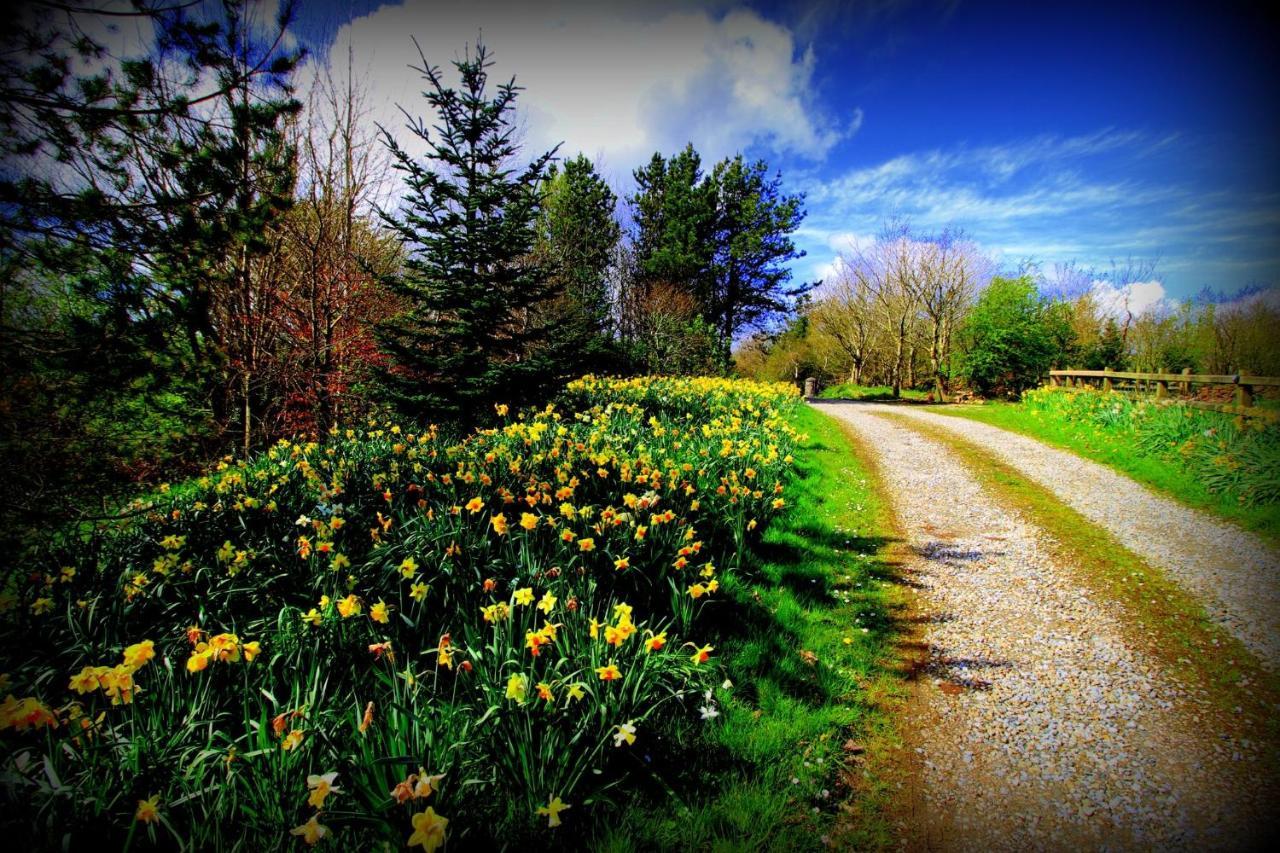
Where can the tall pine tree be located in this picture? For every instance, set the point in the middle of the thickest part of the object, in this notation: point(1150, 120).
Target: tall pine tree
point(753, 226)
point(473, 334)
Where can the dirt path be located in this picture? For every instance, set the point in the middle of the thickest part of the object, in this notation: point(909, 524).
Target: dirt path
point(1036, 725)
point(1235, 573)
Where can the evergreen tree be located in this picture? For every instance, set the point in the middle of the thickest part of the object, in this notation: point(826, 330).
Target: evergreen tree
point(474, 333)
point(674, 210)
point(578, 236)
point(753, 226)
point(130, 195)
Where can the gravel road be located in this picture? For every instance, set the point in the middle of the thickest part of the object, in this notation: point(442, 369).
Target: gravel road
point(1234, 573)
point(1036, 726)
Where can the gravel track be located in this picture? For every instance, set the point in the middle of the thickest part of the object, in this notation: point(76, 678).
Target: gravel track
point(1235, 574)
point(1036, 725)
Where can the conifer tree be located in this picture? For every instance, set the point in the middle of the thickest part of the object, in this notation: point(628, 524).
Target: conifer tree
point(472, 335)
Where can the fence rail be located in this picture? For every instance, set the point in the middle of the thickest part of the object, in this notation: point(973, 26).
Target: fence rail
point(1243, 383)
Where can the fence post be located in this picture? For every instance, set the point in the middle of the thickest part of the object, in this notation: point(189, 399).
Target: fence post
point(1244, 396)
point(1186, 383)
point(810, 387)
point(1053, 380)
point(1162, 387)
point(1106, 380)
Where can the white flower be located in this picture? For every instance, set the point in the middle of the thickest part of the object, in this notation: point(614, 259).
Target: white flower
point(626, 733)
point(708, 696)
point(708, 712)
point(302, 521)
point(728, 685)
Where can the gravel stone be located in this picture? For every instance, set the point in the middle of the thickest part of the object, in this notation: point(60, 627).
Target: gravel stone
point(1234, 573)
point(1037, 727)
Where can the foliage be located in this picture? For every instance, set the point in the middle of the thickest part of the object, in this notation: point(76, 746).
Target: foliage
point(1241, 464)
point(723, 239)
point(135, 209)
point(392, 607)
point(1006, 345)
point(578, 235)
point(472, 332)
point(848, 391)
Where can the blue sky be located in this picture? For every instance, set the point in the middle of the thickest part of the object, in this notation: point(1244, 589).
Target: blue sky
point(1051, 132)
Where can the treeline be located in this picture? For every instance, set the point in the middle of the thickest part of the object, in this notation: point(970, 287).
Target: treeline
point(931, 311)
point(198, 258)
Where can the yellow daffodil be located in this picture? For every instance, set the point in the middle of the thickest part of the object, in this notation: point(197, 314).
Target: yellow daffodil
point(321, 787)
point(380, 612)
point(576, 691)
point(292, 740)
point(418, 591)
point(608, 672)
point(349, 606)
point(552, 811)
point(524, 596)
point(428, 830)
point(528, 520)
point(311, 831)
point(474, 505)
point(702, 654)
point(517, 687)
point(148, 810)
point(625, 733)
point(547, 602)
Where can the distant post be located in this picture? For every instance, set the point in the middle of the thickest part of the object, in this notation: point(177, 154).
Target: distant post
point(1244, 396)
point(1162, 386)
point(1186, 383)
point(810, 387)
point(1106, 380)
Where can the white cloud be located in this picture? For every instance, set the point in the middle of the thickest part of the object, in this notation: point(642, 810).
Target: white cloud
point(607, 81)
point(1135, 298)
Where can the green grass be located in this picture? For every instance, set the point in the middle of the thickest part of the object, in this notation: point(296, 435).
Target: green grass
point(822, 588)
point(1162, 474)
point(849, 391)
point(1160, 617)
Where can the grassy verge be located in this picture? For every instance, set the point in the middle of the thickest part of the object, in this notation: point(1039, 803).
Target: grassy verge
point(808, 641)
point(1160, 617)
point(1162, 474)
point(849, 391)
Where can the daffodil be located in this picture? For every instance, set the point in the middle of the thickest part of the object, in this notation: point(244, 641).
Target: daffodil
point(608, 672)
point(547, 602)
point(418, 591)
point(528, 520)
point(148, 810)
point(655, 641)
point(428, 830)
point(625, 733)
point(517, 687)
point(524, 596)
point(499, 523)
point(292, 740)
point(702, 654)
point(576, 691)
point(311, 831)
point(312, 617)
point(474, 505)
point(321, 787)
point(380, 612)
point(408, 567)
point(349, 606)
point(552, 811)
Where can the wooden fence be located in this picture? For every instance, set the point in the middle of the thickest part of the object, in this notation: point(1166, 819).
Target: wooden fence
point(1111, 380)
